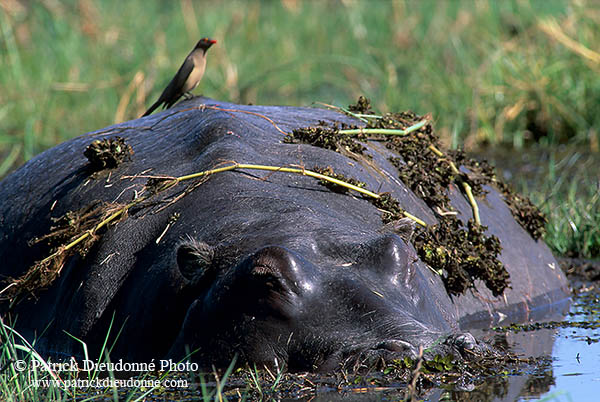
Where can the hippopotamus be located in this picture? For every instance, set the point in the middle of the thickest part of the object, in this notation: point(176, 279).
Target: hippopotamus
point(271, 267)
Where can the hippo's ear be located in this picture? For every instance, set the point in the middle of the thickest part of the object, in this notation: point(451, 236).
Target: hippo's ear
point(194, 259)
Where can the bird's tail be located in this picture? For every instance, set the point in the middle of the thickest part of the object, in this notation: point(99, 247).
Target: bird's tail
point(152, 108)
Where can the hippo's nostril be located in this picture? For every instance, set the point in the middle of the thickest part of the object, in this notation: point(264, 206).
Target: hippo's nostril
point(268, 276)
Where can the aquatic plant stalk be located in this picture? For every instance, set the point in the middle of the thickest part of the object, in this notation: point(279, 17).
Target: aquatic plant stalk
point(385, 131)
point(304, 172)
point(408, 130)
point(346, 111)
point(372, 116)
point(465, 185)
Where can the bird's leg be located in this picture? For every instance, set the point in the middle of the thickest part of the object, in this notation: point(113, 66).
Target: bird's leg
point(188, 95)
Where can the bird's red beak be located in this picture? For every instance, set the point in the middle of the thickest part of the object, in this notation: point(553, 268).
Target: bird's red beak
point(212, 41)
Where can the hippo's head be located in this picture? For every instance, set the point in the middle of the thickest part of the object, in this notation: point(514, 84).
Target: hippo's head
point(276, 267)
point(276, 307)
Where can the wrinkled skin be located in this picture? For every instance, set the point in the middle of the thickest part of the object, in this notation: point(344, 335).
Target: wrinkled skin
point(272, 267)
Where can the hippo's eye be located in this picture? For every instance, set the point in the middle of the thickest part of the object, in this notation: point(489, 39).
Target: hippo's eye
point(263, 270)
point(278, 268)
point(405, 228)
point(267, 265)
point(194, 259)
point(267, 272)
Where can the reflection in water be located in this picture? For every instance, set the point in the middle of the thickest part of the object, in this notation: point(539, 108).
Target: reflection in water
point(568, 368)
point(576, 354)
point(524, 382)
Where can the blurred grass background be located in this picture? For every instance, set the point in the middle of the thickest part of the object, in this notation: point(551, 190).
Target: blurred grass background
point(505, 74)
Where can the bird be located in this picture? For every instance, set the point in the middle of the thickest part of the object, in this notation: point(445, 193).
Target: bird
point(187, 78)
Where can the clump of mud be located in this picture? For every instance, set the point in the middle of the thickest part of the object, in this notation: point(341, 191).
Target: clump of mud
point(392, 211)
point(107, 154)
point(461, 255)
point(72, 224)
point(429, 183)
point(427, 174)
point(464, 254)
point(523, 210)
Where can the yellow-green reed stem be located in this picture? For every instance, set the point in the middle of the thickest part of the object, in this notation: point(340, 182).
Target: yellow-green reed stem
point(471, 198)
point(414, 218)
point(386, 131)
point(280, 169)
point(372, 116)
point(355, 115)
point(78, 240)
point(346, 111)
point(91, 232)
point(234, 166)
point(465, 185)
point(304, 172)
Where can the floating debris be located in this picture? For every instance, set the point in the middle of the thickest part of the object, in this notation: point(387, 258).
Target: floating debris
point(463, 255)
point(391, 207)
point(523, 210)
point(74, 232)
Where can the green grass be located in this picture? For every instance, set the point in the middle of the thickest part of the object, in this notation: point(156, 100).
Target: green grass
point(570, 198)
point(564, 182)
point(487, 71)
point(26, 376)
